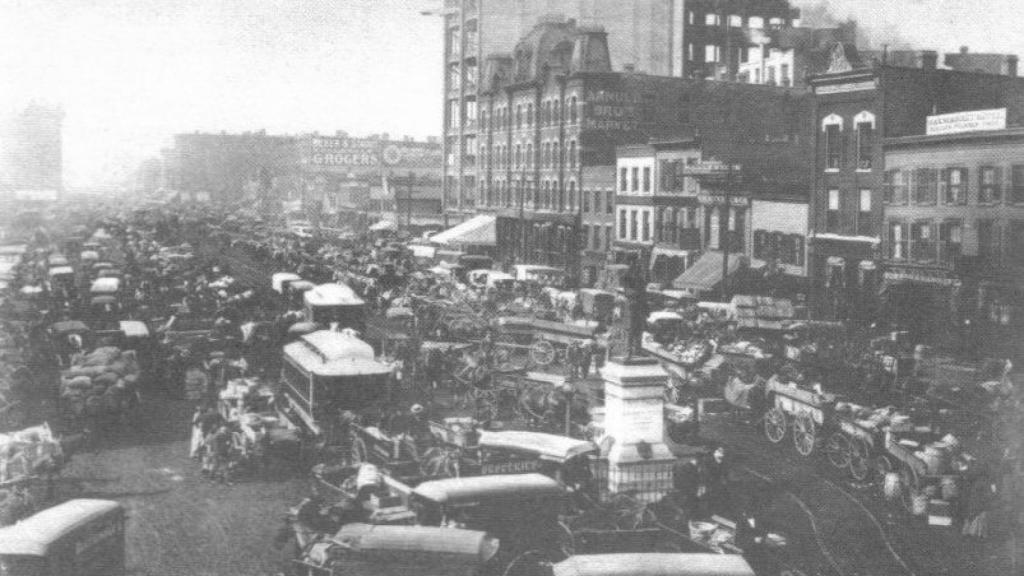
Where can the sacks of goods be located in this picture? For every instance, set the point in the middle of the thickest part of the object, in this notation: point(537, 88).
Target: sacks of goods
point(100, 382)
point(28, 452)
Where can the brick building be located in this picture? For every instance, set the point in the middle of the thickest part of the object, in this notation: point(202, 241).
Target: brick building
point(680, 38)
point(855, 110)
point(953, 243)
point(554, 112)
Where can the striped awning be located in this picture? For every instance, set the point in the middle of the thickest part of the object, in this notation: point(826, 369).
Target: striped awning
point(706, 273)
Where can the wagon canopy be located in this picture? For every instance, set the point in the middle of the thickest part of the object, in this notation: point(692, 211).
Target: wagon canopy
point(332, 295)
point(456, 491)
point(61, 271)
point(328, 354)
point(279, 279)
point(474, 545)
point(105, 286)
point(546, 446)
point(653, 564)
point(134, 329)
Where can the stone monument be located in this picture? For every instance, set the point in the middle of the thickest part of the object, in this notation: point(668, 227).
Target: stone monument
point(639, 461)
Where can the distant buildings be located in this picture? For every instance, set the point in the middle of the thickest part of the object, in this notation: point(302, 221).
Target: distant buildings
point(31, 154)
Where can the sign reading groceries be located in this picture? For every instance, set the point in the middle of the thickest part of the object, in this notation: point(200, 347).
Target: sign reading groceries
point(970, 121)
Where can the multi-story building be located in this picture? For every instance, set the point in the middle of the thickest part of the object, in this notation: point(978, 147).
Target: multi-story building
point(681, 38)
point(222, 165)
point(786, 57)
point(31, 154)
point(953, 243)
point(678, 208)
point(554, 112)
point(854, 110)
point(966, 61)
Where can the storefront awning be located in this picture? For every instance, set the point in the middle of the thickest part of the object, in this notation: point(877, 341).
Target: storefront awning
point(383, 225)
point(477, 231)
point(706, 273)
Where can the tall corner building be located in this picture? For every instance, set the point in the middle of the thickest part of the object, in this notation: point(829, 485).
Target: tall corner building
point(682, 38)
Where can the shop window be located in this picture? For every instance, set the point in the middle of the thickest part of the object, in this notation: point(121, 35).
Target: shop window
point(926, 183)
point(1017, 183)
point(954, 180)
point(832, 214)
point(990, 185)
point(864, 225)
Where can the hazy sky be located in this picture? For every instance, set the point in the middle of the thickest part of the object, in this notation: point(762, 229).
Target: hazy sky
point(132, 72)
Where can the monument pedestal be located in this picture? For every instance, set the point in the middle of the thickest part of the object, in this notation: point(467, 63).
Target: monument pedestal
point(639, 461)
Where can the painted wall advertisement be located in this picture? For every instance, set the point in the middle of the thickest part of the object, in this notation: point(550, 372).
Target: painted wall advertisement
point(363, 154)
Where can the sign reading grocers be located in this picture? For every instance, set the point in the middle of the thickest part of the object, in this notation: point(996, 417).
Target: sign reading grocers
point(970, 121)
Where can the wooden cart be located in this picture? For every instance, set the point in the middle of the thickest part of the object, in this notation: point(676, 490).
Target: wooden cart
point(805, 411)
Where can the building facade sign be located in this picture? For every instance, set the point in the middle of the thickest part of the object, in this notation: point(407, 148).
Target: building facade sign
point(903, 274)
point(970, 121)
point(844, 88)
point(362, 154)
point(343, 152)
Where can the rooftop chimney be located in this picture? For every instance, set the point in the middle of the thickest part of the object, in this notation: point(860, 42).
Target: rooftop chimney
point(929, 59)
point(590, 53)
point(963, 49)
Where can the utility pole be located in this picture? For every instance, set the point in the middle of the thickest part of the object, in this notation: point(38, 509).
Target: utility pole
point(408, 205)
point(728, 237)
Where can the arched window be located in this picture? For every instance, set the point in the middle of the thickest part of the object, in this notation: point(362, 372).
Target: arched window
point(556, 110)
point(529, 156)
point(572, 154)
point(529, 114)
point(864, 124)
point(519, 157)
point(573, 112)
point(832, 126)
point(519, 116)
point(572, 196)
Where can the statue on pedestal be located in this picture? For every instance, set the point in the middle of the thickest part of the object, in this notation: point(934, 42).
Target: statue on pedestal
point(636, 296)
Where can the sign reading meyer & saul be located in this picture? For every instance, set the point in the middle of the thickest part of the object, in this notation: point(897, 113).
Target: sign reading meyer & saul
point(969, 121)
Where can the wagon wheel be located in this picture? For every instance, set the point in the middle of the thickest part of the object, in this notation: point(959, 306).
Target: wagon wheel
point(838, 450)
point(909, 483)
point(804, 431)
point(438, 461)
point(860, 459)
point(775, 424)
point(542, 352)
